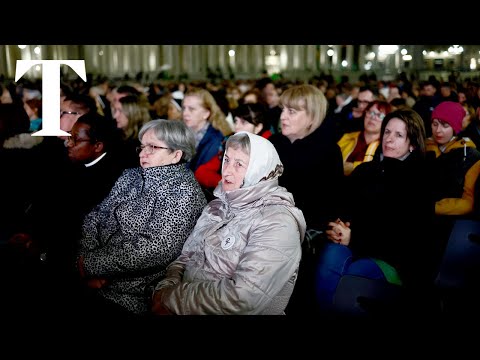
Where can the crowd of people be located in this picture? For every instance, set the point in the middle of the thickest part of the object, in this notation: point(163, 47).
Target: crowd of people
point(198, 199)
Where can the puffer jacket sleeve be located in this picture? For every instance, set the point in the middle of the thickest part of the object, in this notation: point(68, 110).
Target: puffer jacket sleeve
point(174, 275)
point(155, 247)
point(269, 260)
point(465, 204)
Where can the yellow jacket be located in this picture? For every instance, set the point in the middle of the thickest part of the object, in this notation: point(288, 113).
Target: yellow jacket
point(348, 142)
point(465, 204)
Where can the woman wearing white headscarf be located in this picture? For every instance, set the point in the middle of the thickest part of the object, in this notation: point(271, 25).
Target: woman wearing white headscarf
point(243, 254)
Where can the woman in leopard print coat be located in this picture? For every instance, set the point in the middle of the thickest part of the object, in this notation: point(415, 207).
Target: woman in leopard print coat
point(131, 237)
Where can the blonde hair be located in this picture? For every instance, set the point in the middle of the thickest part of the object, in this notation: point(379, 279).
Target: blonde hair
point(207, 101)
point(308, 98)
point(136, 113)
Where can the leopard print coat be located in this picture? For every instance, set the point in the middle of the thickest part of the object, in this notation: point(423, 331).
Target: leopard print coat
point(139, 229)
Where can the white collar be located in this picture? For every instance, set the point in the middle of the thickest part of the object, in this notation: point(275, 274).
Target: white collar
point(96, 160)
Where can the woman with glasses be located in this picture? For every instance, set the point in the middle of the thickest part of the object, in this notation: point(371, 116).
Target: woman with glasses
point(140, 228)
point(360, 146)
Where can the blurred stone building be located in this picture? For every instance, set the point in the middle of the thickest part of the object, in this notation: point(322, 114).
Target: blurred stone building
point(193, 62)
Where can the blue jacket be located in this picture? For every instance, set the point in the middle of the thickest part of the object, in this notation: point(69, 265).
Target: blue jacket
point(208, 147)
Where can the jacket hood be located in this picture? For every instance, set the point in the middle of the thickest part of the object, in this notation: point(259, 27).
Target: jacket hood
point(458, 142)
point(265, 193)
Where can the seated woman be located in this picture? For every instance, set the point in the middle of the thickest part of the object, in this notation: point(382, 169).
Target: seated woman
point(313, 174)
point(390, 212)
point(247, 117)
point(455, 161)
point(306, 149)
point(140, 228)
point(360, 146)
point(204, 117)
point(454, 167)
point(130, 113)
point(243, 255)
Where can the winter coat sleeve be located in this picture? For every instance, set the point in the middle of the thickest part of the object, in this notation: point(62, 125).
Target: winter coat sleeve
point(208, 174)
point(98, 216)
point(174, 275)
point(465, 204)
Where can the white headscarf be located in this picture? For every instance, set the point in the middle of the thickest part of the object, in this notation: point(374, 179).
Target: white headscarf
point(264, 162)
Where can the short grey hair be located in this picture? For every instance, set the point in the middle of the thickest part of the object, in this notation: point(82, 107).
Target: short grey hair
point(175, 134)
point(239, 141)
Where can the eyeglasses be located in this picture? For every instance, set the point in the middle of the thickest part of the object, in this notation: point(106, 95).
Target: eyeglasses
point(149, 149)
point(74, 141)
point(378, 115)
point(363, 102)
point(69, 113)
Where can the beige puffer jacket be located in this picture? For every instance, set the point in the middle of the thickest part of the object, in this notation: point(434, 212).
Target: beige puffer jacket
point(243, 254)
